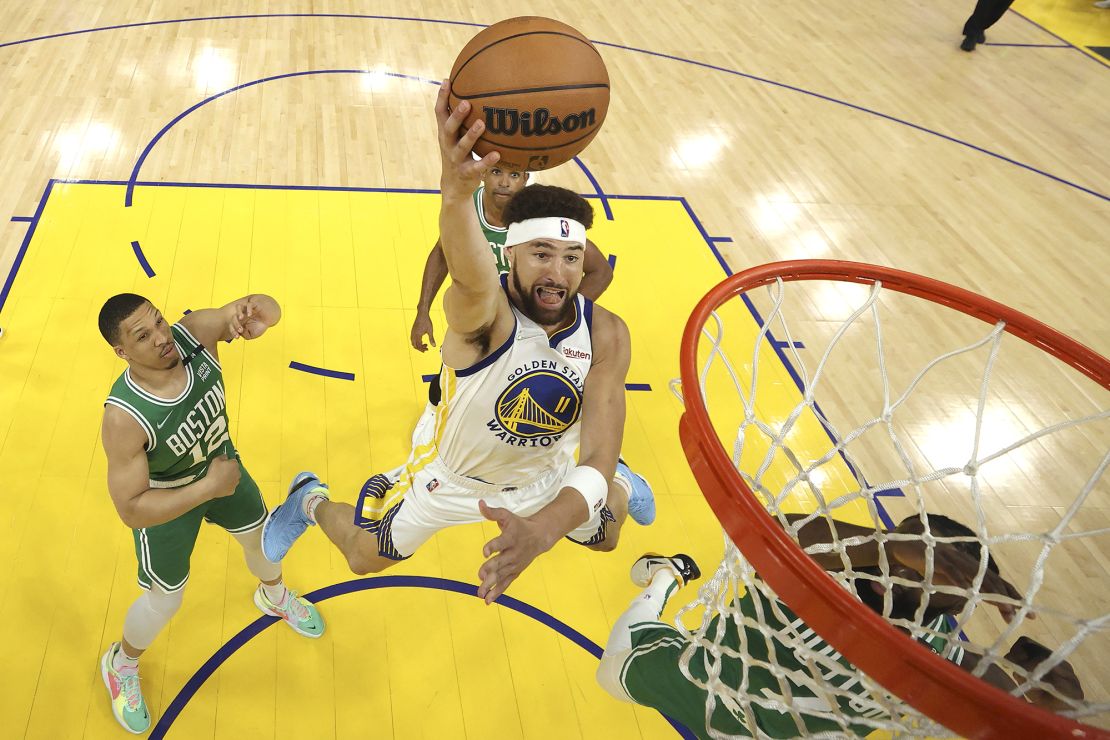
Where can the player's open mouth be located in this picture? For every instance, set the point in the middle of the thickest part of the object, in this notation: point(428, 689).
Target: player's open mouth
point(166, 351)
point(550, 296)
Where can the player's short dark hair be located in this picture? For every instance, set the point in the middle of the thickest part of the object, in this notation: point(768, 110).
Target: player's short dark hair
point(939, 526)
point(114, 311)
point(547, 201)
point(942, 526)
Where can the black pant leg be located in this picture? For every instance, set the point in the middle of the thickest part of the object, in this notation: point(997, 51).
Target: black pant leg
point(985, 15)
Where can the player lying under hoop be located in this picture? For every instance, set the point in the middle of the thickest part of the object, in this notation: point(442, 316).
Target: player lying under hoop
point(642, 660)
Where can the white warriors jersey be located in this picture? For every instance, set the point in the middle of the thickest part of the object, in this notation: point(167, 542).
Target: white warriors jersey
point(513, 416)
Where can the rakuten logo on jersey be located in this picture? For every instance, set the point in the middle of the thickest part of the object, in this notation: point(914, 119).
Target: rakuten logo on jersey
point(575, 354)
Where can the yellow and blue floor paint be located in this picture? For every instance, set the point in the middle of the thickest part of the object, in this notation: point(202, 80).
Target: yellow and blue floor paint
point(334, 388)
point(1075, 23)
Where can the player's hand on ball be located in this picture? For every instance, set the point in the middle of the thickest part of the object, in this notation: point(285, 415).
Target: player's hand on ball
point(224, 473)
point(461, 172)
point(520, 541)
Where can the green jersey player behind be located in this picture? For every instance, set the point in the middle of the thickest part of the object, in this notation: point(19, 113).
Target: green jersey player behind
point(499, 185)
point(642, 660)
point(172, 465)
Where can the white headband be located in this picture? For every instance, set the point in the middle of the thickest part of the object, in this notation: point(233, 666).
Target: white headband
point(565, 229)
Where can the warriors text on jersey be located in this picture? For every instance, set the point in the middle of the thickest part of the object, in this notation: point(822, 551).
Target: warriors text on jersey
point(514, 415)
point(495, 235)
point(182, 433)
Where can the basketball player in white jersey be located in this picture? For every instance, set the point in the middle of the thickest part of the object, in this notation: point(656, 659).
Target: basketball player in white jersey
point(498, 186)
point(531, 370)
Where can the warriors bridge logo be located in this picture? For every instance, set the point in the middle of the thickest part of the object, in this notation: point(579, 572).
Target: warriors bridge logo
point(537, 408)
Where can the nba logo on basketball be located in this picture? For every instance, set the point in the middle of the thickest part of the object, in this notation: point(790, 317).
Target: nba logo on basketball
point(564, 228)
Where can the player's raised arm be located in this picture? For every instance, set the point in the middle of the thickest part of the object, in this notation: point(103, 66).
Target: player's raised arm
point(598, 272)
point(475, 296)
point(248, 317)
point(435, 273)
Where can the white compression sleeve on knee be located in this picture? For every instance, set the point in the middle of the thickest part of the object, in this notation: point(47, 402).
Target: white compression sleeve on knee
point(591, 484)
point(644, 608)
point(257, 563)
point(149, 614)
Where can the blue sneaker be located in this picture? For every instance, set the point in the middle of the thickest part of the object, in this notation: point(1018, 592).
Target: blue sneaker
point(287, 522)
point(641, 504)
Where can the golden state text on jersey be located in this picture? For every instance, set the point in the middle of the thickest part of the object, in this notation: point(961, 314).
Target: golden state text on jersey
point(514, 415)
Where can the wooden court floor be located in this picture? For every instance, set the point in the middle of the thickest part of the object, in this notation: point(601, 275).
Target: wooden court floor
point(290, 151)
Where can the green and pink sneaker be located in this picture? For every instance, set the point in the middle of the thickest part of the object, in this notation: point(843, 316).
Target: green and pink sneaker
point(296, 611)
point(123, 689)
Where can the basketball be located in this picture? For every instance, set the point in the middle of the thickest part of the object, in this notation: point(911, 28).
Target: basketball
point(540, 86)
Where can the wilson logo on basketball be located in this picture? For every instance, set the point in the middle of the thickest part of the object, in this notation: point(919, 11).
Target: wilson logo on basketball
point(540, 122)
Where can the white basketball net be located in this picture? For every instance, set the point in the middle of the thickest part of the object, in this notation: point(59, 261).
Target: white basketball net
point(977, 467)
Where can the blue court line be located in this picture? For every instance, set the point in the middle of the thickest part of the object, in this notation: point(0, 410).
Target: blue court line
point(648, 52)
point(253, 629)
point(249, 16)
point(1029, 46)
point(321, 371)
point(158, 136)
point(25, 243)
point(165, 129)
point(861, 109)
point(597, 188)
point(23, 219)
point(721, 239)
point(1057, 36)
point(891, 493)
point(142, 259)
point(777, 346)
point(787, 345)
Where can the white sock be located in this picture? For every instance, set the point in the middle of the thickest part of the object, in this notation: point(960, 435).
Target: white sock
point(624, 483)
point(149, 614)
point(312, 500)
point(276, 593)
point(122, 660)
point(644, 608)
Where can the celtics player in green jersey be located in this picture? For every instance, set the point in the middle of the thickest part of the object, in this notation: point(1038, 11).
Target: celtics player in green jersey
point(499, 185)
point(172, 465)
point(641, 662)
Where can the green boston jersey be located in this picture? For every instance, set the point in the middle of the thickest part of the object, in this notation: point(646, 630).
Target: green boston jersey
point(651, 674)
point(495, 235)
point(182, 433)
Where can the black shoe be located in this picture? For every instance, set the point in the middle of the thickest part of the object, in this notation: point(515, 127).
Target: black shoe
point(981, 38)
point(683, 567)
point(968, 44)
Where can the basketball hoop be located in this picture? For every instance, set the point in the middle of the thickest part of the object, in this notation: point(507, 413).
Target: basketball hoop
point(902, 666)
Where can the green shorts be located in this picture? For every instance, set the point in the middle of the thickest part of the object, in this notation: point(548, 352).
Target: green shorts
point(163, 551)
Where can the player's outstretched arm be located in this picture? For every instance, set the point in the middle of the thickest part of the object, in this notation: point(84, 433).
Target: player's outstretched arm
point(138, 504)
point(475, 300)
point(603, 400)
point(598, 273)
point(585, 490)
point(435, 272)
point(248, 317)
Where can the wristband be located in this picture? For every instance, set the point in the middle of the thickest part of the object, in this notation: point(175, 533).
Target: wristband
point(591, 484)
